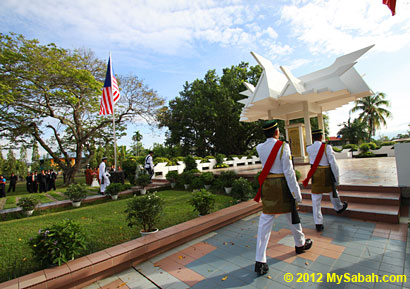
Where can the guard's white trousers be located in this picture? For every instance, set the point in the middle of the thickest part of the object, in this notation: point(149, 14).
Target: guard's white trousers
point(317, 209)
point(264, 230)
point(105, 185)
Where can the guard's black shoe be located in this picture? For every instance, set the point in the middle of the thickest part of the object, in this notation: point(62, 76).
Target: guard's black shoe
point(319, 228)
point(261, 268)
point(302, 249)
point(345, 204)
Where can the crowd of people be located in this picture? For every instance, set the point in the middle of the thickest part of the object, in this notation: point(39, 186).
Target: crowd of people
point(41, 182)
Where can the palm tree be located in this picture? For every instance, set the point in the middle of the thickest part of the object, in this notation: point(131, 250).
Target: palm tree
point(372, 111)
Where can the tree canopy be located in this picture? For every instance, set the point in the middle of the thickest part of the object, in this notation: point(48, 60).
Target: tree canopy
point(372, 111)
point(52, 95)
point(204, 119)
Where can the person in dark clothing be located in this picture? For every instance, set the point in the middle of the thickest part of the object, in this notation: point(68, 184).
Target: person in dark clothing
point(35, 182)
point(29, 182)
point(13, 182)
point(53, 177)
point(42, 182)
point(2, 187)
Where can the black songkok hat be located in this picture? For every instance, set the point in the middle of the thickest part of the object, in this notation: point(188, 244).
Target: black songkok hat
point(317, 131)
point(270, 124)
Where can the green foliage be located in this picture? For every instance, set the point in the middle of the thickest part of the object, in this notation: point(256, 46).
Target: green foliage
point(207, 178)
point(58, 244)
point(227, 178)
point(196, 183)
point(220, 159)
point(204, 119)
point(76, 192)
point(186, 177)
point(190, 163)
point(372, 112)
point(172, 176)
point(28, 203)
point(143, 180)
point(144, 211)
point(366, 155)
point(298, 175)
point(162, 160)
point(242, 189)
point(115, 188)
point(335, 149)
point(364, 147)
point(352, 147)
point(130, 167)
point(203, 201)
point(387, 143)
point(373, 146)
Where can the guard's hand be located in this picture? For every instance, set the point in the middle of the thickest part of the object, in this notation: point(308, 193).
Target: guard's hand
point(298, 200)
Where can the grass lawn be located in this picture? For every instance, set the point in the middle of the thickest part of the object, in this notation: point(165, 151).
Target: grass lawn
point(104, 224)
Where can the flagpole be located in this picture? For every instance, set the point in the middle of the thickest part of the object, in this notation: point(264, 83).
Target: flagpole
point(113, 122)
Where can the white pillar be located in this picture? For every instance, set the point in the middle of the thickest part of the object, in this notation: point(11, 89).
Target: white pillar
point(286, 129)
point(321, 123)
point(308, 129)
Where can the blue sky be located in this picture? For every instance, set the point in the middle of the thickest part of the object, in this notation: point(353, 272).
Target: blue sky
point(167, 43)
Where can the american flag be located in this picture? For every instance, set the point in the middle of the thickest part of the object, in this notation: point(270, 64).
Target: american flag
point(111, 92)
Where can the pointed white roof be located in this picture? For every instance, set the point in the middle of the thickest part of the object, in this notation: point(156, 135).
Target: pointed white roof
point(281, 95)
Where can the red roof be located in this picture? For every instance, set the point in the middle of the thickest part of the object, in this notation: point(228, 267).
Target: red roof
point(334, 138)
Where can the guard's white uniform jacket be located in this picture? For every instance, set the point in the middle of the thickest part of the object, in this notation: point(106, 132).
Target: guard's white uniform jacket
point(282, 165)
point(327, 159)
point(149, 164)
point(103, 175)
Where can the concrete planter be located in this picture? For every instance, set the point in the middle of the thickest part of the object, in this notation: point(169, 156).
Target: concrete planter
point(76, 204)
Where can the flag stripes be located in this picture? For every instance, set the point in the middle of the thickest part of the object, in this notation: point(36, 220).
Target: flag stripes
point(111, 92)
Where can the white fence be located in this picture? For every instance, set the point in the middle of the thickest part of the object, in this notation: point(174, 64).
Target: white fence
point(161, 169)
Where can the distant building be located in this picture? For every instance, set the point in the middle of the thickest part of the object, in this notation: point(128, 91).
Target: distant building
point(336, 141)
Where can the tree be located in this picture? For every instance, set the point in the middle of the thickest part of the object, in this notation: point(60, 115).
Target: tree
point(50, 90)
point(137, 146)
point(204, 119)
point(11, 163)
point(372, 111)
point(353, 132)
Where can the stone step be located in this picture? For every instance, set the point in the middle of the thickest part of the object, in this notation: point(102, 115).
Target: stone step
point(369, 212)
point(375, 198)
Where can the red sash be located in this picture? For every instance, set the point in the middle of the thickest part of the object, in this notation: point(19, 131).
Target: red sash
point(266, 168)
point(315, 165)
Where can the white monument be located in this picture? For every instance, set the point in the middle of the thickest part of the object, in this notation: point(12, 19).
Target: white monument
point(284, 96)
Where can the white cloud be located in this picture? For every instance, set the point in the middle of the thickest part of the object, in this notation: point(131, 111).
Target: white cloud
point(338, 27)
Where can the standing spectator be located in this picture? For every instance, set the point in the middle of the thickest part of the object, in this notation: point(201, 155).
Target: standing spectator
point(149, 164)
point(2, 187)
point(103, 176)
point(35, 182)
point(13, 182)
point(29, 182)
point(42, 181)
point(53, 177)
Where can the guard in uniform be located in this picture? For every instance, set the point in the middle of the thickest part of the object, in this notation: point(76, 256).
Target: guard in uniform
point(325, 177)
point(103, 176)
point(279, 190)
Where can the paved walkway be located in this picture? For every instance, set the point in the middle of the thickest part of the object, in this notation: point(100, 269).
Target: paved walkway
point(225, 258)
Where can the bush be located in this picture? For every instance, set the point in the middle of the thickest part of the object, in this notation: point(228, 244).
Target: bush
point(144, 211)
point(115, 188)
point(76, 192)
point(203, 201)
point(335, 149)
point(220, 159)
point(373, 146)
point(387, 143)
point(130, 168)
point(143, 180)
point(58, 244)
point(28, 203)
point(219, 166)
point(366, 155)
point(242, 189)
point(172, 176)
point(207, 178)
point(186, 177)
point(227, 178)
point(364, 147)
point(352, 147)
point(196, 183)
point(190, 163)
point(162, 160)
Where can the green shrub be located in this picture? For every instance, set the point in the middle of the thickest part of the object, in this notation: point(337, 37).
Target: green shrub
point(28, 203)
point(227, 178)
point(162, 160)
point(373, 146)
point(242, 189)
point(186, 177)
point(172, 176)
point(203, 201)
point(366, 155)
point(387, 143)
point(115, 188)
point(196, 183)
point(76, 192)
point(352, 147)
point(144, 211)
point(219, 166)
point(190, 163)
point(59, 243)
point(364, 147)
point(143, 180)
point(335, 149)
point(220, 159)
point(207, 178)
point(207, 158)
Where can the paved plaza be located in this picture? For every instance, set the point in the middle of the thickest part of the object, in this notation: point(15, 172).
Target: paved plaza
point(347, 250)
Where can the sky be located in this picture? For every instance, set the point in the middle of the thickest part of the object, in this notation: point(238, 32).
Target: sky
point(167, 43)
